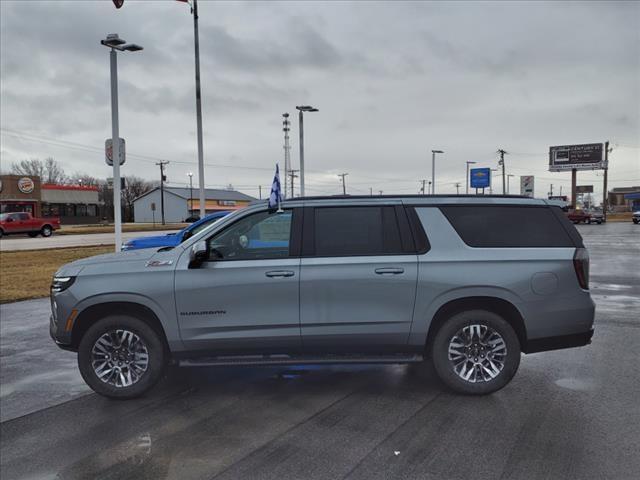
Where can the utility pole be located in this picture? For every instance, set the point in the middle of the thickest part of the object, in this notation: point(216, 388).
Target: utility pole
point(551, 190)
point(371, 191)
point(163, 178)
point(380, 192)
point(501, 162)
point(292, 174)
point(344, 182)
point(287, 151)
point(260, 192)
point(457, 188)
point(433, 170)
point(423, 185)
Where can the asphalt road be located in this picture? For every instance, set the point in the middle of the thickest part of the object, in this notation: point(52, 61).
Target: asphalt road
point(569, 414)
point(24, 242)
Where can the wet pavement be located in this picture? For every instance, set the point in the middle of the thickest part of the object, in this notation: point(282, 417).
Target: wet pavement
point(567, 414)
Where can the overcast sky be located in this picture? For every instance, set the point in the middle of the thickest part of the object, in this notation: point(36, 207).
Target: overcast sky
point(392, 81)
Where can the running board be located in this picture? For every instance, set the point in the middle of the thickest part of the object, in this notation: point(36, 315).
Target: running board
point(294, 360)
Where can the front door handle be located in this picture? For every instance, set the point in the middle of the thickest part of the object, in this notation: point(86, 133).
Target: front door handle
point(389, 271)
point(280, 273)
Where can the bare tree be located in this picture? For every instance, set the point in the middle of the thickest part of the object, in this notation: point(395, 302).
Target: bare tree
point(133, 188)
point(49, 170)
point(83, 178)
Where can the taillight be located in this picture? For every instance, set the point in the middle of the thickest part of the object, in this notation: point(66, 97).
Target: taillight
point(581, 265)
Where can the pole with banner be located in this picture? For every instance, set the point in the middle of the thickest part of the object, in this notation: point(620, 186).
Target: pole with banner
point(275, 198)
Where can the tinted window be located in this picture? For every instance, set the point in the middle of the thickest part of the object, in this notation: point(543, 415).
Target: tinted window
point(507, 226)
point(259, 236)
point(23, 216)
point(342, 231)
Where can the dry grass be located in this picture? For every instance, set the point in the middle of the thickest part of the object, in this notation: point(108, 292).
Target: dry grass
point(127, 227)
point(27, 274)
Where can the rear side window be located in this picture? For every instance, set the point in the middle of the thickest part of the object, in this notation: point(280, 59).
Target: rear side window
point(507, 226)
point(348, 231)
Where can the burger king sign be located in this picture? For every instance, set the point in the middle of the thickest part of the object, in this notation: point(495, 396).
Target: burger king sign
point(26, 185)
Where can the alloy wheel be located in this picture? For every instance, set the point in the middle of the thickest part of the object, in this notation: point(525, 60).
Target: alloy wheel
point(477, 353)
point(119, 358)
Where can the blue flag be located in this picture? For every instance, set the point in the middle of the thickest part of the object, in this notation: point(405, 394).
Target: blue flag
point(276, 193)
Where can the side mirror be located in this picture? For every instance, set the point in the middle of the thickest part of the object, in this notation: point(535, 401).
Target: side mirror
point(198, 254)
point(187, 235)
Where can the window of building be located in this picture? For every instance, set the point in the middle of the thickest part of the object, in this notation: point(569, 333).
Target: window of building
point(348, 231)
point(81, 210)
point(507, 226)
point(69, 210)
point(92, 210)
point(259, 236)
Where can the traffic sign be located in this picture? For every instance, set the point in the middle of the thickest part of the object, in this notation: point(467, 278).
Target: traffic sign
point(108, 151)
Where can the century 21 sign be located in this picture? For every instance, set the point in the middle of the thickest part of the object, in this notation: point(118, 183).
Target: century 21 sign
point(589, 156)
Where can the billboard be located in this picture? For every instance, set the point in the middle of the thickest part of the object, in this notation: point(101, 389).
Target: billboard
point(589, 156)
point(584, 188)
point(526, 185)
point(480, 177)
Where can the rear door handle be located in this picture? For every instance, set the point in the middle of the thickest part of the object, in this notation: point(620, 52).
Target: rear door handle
point(280, 273)
point(389, 271)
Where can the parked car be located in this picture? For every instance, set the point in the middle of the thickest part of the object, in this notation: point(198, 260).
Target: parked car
point(468, 282)
point(579, 216)
point(173, 239)
point(595, 216)
point(636, 217)
point(24, 222)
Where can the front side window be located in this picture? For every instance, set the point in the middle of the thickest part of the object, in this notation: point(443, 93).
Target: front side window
point(259, 236)
point(349, 231)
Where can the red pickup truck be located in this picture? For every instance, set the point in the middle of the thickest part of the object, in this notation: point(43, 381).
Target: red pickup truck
point(579, 216)
point(23, 222)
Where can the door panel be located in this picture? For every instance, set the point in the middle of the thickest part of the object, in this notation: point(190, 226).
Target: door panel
point(346, 306)
point(240, 306)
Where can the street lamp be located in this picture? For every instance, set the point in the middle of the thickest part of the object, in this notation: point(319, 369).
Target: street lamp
point(467, 180)
point(433, 170)
point(301, 109)
point(114, 42)
point(190, 193)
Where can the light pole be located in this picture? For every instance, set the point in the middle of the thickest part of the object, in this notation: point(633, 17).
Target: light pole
point(344, 182)
point(467, 180)
point(114, 42)
point(433, 170)
point(303, 108)
point(190, 193)
point(287, 154)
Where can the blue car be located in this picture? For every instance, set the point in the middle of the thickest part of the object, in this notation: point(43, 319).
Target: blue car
point(173, 239)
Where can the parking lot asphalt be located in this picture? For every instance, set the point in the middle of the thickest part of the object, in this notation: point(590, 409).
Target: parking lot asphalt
point(569, 414)
point(24, 242)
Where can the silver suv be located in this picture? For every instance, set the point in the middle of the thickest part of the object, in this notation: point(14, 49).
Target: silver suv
point(468, 281)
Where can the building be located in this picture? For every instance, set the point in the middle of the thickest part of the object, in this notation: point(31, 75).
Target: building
point(178, 205)
point(74, 204)
point(624, 199)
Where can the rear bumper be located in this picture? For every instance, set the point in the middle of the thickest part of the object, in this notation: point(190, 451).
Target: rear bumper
point(557, 343)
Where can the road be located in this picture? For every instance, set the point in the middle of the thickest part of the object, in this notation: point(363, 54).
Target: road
point(570, 414)
point(23, 242)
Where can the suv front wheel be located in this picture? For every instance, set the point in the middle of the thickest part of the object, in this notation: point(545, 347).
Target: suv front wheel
point(121, 357)
point(476, 352)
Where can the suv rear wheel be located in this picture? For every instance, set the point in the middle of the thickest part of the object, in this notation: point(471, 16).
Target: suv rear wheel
point(476, 352)
point(121, 357)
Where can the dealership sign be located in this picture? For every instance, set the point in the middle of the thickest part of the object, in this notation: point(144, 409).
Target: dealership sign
point(526, 185)
point(590, 156)
point(584, 188)
point(480, 177)
point(26, 185)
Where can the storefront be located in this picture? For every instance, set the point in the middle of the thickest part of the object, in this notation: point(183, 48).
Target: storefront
point(73, 204)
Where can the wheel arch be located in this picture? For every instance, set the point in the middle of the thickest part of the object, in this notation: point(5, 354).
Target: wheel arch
point(87, 317)
point(496, 305)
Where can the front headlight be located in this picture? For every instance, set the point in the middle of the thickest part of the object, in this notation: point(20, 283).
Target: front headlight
point(60, 284)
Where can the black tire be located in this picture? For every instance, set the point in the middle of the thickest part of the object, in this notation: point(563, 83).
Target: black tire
point(33, 234)
point(46, 231)
point(445, 367)
point(156, 353)
point(1, 233)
